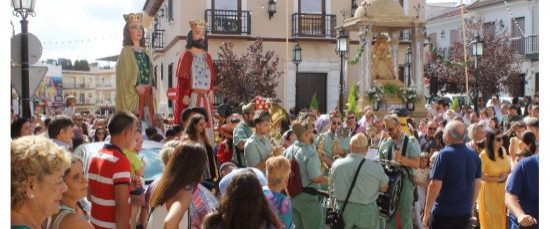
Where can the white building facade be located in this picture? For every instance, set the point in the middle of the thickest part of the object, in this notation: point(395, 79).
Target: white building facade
point(520, 17)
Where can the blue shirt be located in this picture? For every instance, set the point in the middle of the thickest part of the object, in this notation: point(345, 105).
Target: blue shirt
point(523, 182)
point(457, 167)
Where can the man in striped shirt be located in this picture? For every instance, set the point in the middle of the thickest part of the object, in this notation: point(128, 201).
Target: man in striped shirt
point(109, 176)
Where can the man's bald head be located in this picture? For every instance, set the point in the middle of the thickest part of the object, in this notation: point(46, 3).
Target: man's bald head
point(455, 132)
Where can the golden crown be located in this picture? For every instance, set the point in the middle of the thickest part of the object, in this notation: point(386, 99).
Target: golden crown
point(197, 24)
point(133, 17)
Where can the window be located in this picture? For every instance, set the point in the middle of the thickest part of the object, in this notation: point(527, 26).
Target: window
point(226, 4)
point(515, 30)
point(312, 6)
point(489, 29)
point(433, 37)
point(454, 36)
point(170, 10)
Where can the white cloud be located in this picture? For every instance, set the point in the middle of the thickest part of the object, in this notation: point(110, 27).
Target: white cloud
point(93, 27)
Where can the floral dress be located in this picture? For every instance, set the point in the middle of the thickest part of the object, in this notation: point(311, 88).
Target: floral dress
point(281, 206)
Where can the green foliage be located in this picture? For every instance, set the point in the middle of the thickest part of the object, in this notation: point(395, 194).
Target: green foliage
point(391, 89)
point(314, 103)
point(352, 99)
point(455, 104)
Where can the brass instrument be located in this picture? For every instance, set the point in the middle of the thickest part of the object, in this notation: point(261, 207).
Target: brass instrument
point(321, 152)
point(341, 133)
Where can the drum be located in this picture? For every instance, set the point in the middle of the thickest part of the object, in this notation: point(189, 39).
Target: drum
point(388, 201)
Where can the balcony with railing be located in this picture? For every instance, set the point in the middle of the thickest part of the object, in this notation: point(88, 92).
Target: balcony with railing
point(157, 39)
point(528, 46)
point(313, 25)
point(228, 21)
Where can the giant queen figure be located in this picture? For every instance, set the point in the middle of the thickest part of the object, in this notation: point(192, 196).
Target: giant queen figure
point(135, 81)
point(195, 74)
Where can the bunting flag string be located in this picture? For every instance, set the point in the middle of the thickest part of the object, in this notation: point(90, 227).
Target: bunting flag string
point(81, 41)
point(514, 19)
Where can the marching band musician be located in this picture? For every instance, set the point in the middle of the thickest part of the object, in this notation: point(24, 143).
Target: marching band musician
point(329, 137)
point(361, 210)
point(393, 145)
point(307, 211)
point(242, 132)
point(257, 148)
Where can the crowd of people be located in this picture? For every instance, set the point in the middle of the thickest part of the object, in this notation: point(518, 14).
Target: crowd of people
point(454, 168)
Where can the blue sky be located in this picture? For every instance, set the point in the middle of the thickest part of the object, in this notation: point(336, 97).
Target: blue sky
point(93, 28)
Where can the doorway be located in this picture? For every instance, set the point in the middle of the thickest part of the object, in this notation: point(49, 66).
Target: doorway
point(309, 84)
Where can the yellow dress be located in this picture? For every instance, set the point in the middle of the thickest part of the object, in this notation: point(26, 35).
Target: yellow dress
point(492, 211)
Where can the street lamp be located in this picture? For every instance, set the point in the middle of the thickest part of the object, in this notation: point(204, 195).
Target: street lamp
point(477, 52)
point(24, 9)
point(271, 8)
point(407, 70)
point(342, 47)
point(297, 55)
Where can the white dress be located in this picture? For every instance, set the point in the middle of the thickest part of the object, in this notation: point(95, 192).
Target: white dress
point(156, 219)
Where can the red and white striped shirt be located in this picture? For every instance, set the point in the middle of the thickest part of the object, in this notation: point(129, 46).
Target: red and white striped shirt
point(107, 168)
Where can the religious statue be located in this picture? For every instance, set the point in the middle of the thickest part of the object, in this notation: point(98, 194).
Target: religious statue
point(361, 10)
point(135, 82)
point(382, 65)
point(195, 74)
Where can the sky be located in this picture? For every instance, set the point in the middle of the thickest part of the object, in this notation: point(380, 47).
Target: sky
point(79, 29)
point(83, 29)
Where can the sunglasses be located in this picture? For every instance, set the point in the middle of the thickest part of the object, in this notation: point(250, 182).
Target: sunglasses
point(337, 123)
point(432, 128)
point(101, 132)
point(351, 117)
point(498, 139)
point(389, 129)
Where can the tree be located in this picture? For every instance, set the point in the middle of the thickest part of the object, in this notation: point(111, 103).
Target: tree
point(66, 64)
point(81, 65)
point(497, 69)
point(352, 100)
point(240, 78)
point(314, 103)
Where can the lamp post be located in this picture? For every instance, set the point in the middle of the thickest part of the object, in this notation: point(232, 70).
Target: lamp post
point(23, 9)
point(271, 8)
point(407, 70)
point(477, 52)
point(342, 47)
point(297, 59)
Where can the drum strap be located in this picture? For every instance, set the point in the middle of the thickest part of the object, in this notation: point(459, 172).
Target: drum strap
point(352, 184)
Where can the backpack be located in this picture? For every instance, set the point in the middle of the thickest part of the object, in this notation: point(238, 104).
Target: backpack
point(294, 186)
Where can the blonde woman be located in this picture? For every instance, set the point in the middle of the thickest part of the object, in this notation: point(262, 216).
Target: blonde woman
point(37, 186)
point(277, 171)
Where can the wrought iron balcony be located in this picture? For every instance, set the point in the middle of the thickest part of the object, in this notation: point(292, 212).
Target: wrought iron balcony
point(157, 39)
point(313, 25)
point(228, 21)
point(528, 46)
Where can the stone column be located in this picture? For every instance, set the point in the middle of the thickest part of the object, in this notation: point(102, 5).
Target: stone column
point(417, 60)
point(368, 58)
point(395, 52)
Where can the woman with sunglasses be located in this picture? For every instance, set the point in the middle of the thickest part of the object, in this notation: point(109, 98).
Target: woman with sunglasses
point(100, 135)
point(495, 168)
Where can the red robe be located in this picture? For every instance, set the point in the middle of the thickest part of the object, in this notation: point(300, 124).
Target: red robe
point(183, 74)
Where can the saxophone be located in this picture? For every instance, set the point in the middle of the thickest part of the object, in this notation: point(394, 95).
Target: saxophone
point(321, 152)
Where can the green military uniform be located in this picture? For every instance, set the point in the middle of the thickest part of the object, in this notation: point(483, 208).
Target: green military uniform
point(328, 137)
point(307, 211)
point(403, 215)
point(361, 210)
point(241, 132)
point(256, 149)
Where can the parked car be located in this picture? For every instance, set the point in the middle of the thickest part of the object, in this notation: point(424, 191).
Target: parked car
point(149, 155)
